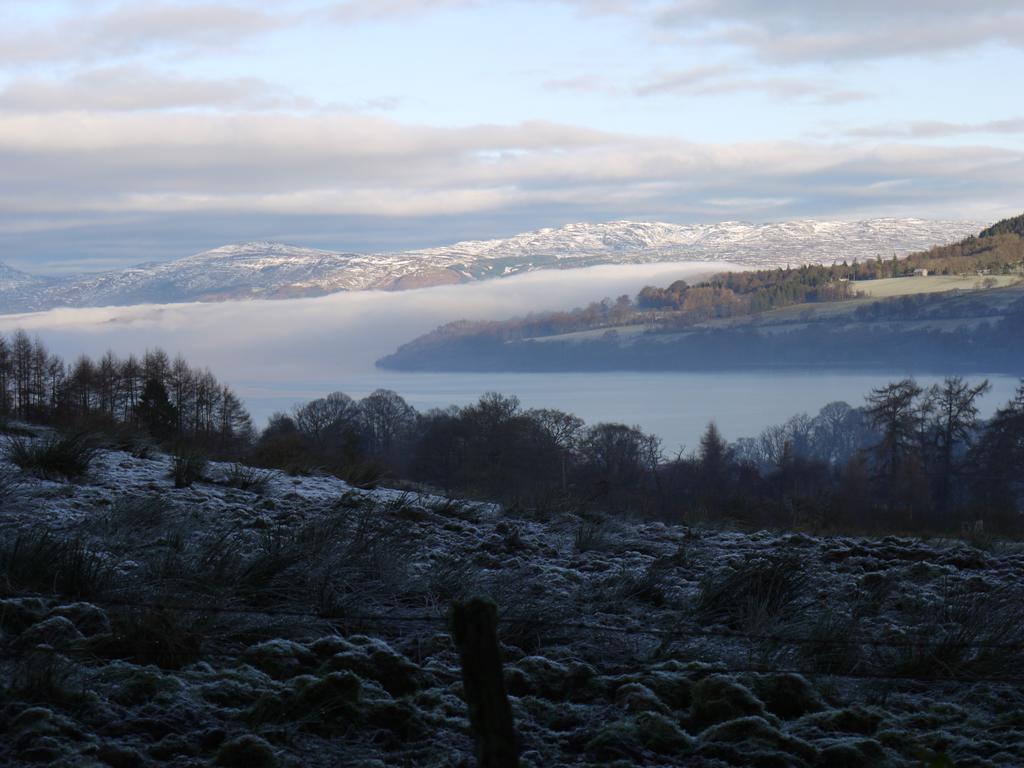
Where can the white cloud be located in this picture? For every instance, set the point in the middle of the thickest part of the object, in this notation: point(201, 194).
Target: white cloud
point(730, 78)
point(133, 28)
point(930, 129)
point(125, 88)
point(377, 10)
point(288, 165)
point(810, 30)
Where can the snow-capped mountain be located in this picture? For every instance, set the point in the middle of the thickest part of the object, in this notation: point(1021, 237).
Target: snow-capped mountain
point(12, 279)
point(273, 270)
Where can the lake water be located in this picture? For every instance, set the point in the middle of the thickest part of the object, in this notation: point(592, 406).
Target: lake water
point(276, 354)
point(675, 406)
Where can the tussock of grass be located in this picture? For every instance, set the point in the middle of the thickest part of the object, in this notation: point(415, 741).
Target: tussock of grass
point(56, 457)
point(591, 535)
point(752, 594)
point(247, 478)
point(831, 646)
point(187, 467)
point(42, 563)
point(966, 634)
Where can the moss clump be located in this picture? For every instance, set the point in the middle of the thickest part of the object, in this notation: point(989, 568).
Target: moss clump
point(539, 676)
point(854, 719)
point(719, 698)
point(633, 737)
point(399, 722)
point(322, 703)
point(281, 659)
point(41, 735)
point(172, 746)
point(89, 619)
point(18, 614)
point(853, 754)
point(120, 756)
point(637, 697)
point(376, 660)
point(754, 741)
point(671, 684)
point(234, 688)
point(246, 751)
point(56, 631)
point(558, 717)
point(788, 696)
point(131, 685)
point(331, 696)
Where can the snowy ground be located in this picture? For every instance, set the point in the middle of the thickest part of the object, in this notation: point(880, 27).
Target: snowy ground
point(713, 646)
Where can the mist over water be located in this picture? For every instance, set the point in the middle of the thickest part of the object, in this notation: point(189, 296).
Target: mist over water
point(279, 353)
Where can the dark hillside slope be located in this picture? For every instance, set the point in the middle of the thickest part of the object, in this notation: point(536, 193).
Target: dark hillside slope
point(1014, 225)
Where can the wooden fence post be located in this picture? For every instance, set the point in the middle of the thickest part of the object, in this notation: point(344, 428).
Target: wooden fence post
point(475, 630)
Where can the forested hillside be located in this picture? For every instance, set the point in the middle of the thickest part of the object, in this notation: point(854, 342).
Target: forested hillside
point(1014, 226)
point(674, 327)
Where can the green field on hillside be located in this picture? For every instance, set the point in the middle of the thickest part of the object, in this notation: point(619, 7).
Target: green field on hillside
point(905, 286)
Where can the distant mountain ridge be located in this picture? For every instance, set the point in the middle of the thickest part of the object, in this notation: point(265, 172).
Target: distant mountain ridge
point(269, 270)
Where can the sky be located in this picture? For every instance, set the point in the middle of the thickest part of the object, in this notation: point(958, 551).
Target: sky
point(140, 131)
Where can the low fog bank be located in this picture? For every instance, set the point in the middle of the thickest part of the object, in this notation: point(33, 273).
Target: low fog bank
point(278, 353)
point(296, 349)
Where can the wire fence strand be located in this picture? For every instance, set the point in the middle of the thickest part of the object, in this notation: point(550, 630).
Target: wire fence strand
point(441, 622)
point(665, 632)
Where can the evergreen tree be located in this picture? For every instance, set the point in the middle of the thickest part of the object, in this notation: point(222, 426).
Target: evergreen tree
point(156, 412)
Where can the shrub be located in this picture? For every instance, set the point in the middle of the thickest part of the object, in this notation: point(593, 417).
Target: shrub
point(124, 437)
point(365, 474)
point(247, 478)
point(288, 452)
point(752, 593)
point(54, 457)
point(591, 535)
point(188, 466)
point(40, 562)
point(144, 448)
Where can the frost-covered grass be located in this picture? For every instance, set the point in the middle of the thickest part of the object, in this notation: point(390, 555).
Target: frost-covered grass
point(233, 624)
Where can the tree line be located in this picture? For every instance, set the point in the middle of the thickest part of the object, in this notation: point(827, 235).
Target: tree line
point(910, 459)
point(163, 397)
